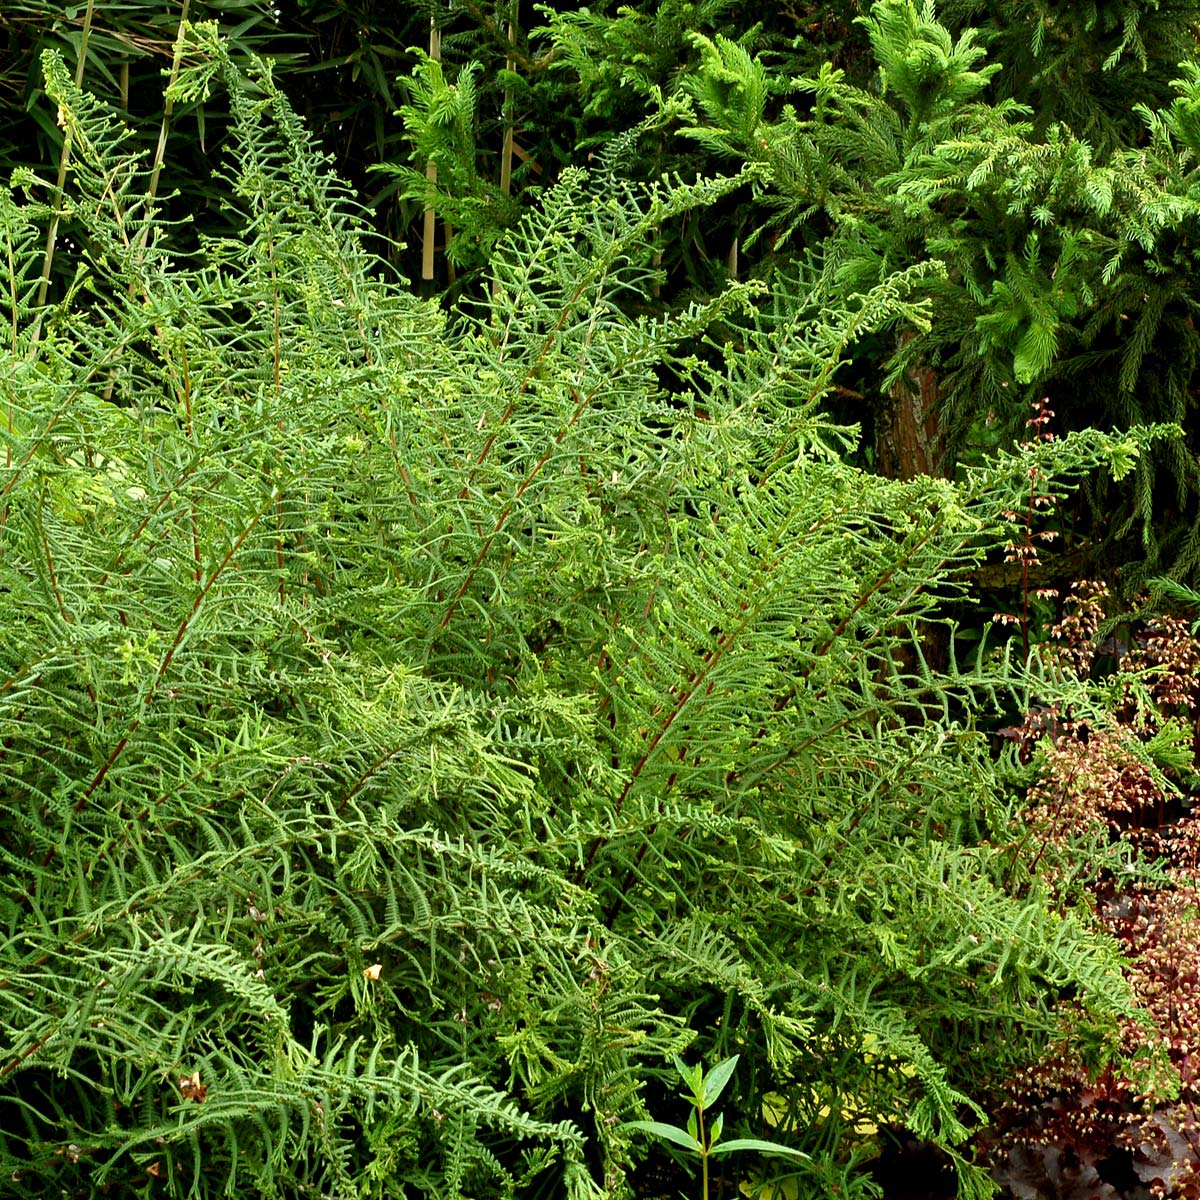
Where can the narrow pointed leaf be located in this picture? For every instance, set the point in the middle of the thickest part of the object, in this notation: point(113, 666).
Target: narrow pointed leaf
point(671, 1133)
point(691, 1076)
point(714, 1134)
point(717, 1078)
point(758, 1146)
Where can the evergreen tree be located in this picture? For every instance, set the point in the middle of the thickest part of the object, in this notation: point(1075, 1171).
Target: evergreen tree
point(1067, 266)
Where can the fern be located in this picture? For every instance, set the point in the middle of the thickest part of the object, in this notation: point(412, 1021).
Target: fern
point(416, 727)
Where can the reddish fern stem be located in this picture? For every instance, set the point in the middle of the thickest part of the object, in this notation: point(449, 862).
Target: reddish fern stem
point(169, 657)
point(580, 405)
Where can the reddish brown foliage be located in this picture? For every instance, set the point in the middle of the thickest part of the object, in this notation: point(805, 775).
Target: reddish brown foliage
point(1065, 1131)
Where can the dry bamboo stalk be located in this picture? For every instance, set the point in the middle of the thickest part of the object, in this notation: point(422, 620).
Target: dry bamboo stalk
point(506, 154)
point(64, 158)
point(429, 230)
point(168, 107)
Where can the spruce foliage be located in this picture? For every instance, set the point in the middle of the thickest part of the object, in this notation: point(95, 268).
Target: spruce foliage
point(416, 728)
point(1067, 261)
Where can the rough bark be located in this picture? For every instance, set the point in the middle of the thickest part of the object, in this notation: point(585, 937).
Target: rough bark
point(908, 435)
point(909, 443)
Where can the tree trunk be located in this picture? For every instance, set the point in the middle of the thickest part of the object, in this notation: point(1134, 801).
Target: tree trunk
point(908, 435)
point(908, 443)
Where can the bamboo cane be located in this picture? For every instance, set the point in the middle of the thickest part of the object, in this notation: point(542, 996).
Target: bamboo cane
point(63, 160)
point(506, 151)
point(429, 230)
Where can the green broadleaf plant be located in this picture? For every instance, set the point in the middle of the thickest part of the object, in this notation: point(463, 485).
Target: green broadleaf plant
point(701, 1091)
